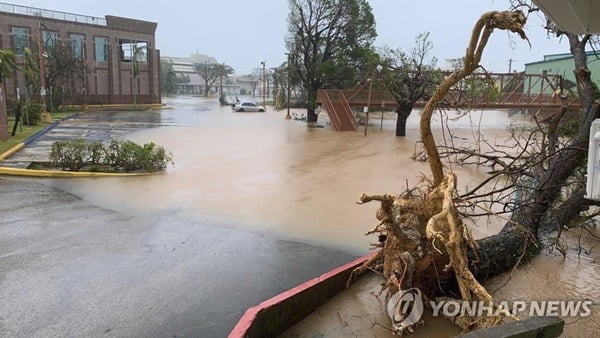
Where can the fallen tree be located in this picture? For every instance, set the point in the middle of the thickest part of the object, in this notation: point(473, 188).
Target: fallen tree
point(424, 242)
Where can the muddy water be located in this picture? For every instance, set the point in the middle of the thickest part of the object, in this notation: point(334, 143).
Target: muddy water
point(266, 174)
point(269, 174)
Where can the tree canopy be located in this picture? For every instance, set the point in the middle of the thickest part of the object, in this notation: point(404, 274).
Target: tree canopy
point(211, 72)
point(410, 76)
point(330, 44)
point(8, 65)
point(168, 77)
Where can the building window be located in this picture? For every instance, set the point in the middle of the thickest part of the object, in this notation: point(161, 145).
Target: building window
point(49, 39)
point(101, 48)
point(20, 39)
point(133, 48)
point(77, 45)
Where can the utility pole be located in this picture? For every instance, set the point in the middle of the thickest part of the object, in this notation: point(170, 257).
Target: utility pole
point(264, 63)
point(510, 61)
point(45, 115)
point(366, 109)
point(221, 67)
point(206, 78)
point(288, 116)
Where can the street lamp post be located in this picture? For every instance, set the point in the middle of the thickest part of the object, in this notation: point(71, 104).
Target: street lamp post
point(46, 117)
point(288, 116)
point(366, 110)
point(264, 63)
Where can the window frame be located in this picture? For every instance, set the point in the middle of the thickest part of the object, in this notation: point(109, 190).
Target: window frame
point(126, 54)
point(81, 45)
point(105, 49)
point(16, 49)
point(49, 37)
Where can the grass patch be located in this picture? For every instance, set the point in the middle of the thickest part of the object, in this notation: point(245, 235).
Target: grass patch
point(27, 131)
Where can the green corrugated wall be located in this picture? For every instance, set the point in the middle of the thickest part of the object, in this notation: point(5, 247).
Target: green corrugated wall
point(563, 67)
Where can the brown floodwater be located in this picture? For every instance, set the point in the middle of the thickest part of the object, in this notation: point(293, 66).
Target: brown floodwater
point(266, 174)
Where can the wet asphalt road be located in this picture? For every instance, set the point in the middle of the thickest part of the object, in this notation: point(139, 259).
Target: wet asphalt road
point(69, 268)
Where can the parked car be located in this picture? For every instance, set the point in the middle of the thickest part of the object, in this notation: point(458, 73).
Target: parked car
point(247, 106)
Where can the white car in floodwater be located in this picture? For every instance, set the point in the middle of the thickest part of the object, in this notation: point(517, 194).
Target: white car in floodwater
point(247, 106)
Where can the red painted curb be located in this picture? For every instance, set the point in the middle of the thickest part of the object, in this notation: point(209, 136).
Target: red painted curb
point(245, 323)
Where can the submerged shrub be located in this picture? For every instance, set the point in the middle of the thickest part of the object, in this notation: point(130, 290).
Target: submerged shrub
point(118, 155)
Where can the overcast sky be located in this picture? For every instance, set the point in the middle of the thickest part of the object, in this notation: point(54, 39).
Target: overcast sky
point(242, 33)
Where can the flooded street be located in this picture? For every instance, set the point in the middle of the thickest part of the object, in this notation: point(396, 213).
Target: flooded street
point(268, 174)
point(264, 174)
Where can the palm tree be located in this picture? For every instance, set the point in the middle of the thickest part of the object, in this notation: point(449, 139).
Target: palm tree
point(139, 56)
point(30, 69)
point(8, 65)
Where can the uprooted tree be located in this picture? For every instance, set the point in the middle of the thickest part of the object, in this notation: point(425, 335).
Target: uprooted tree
point(423, 239)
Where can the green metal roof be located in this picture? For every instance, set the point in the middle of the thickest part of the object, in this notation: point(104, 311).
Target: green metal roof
point(561, 56)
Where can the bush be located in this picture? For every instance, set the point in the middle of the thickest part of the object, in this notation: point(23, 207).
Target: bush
point(118, 155)
point(31, 111)
point(223, 100)
point(69, 155)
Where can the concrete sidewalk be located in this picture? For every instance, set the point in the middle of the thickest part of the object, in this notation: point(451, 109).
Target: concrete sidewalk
point(97, 126)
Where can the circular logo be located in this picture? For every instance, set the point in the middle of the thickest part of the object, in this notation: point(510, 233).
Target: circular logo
point(405, 308)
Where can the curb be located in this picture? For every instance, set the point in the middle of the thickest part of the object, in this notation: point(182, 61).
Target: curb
point(275, 315)
point(118, 106)
point(10, 152)
point(68, 174)
point(41, 132)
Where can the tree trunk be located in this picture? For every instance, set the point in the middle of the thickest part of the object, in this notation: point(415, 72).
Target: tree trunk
point(402, 111)
point(401, 125)
point(3, 117)
point(311, 115)
point(501, 252)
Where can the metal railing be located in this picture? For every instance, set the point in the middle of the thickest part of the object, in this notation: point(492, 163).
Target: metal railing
point(50, 14)
point(348, 112)
point(333, 117)
point(333, 98)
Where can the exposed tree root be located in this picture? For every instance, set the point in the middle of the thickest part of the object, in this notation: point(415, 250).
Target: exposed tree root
point(420, 230)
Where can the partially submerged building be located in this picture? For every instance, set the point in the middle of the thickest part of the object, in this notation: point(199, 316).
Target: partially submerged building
point(106, 45)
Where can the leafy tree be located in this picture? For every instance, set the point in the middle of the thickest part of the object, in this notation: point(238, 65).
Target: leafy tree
point(280, 84)
point(8, 65)
point(168, 77)
point(64, 71)
point(253, 78)
point(326, 40)
point(410, 77)
point(31, 71)
point(211, 72)
point(224, 71)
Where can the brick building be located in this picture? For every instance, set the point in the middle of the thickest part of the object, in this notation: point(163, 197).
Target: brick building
point(106, 44)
